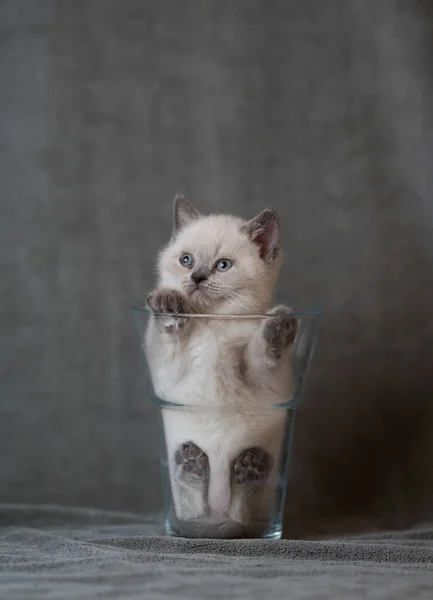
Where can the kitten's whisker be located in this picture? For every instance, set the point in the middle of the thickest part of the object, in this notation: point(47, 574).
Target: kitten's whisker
point(220, 292)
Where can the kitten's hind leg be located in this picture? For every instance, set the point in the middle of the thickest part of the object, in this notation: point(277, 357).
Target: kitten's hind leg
point(191, 481)
point(252, 494)
point(252, 465)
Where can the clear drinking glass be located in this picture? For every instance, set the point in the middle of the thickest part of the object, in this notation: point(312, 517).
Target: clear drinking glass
point(224, 465)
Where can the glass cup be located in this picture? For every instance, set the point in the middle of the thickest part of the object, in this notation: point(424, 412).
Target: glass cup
point(226, 423)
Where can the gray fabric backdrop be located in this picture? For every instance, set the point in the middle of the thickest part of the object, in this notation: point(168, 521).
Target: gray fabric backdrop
point(322, 109)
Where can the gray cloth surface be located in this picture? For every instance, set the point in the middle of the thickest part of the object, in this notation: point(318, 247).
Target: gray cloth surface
point(322, 108)
point(49, 552)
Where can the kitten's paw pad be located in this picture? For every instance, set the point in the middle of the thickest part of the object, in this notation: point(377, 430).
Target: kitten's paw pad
point(169, 301)
point(252, 465)
point(191, 460)
point(280, 330)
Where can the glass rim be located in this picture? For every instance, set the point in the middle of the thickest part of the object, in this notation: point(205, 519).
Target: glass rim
point(290, 404)
point(312, 312)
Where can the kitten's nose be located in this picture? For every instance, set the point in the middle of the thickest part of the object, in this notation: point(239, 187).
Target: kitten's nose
point(199, 275)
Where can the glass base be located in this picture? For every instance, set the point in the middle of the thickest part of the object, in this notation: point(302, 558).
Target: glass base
point(275, 532)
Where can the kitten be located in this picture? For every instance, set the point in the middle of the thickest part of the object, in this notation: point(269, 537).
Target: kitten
point(223, 454)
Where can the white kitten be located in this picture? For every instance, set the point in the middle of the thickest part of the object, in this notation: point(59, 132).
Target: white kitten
point(224, 453)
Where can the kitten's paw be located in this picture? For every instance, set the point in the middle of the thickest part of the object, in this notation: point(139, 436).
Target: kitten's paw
point(168, 301)
point(280, 330)
point(252, 465)
point(192, 461)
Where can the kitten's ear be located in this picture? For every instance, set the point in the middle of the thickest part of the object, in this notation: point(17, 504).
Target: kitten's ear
point(264, 230)
point(184, 212)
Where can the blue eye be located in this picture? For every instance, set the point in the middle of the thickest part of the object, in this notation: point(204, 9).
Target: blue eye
point(187, 260)
point(224, 265)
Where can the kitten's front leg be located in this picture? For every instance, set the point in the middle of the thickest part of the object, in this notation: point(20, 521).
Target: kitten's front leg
point(165, 339)
point(166, 348)
point(271, 340)
point(169, 301)
point(279, 331)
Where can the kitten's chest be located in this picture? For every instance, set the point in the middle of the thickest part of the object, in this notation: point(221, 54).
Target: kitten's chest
point(213, 355)
point(208, 368)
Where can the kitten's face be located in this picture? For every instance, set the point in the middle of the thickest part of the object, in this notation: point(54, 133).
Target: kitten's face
point(218, 264)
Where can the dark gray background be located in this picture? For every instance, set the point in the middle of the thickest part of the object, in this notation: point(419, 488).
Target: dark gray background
point(321, 109)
